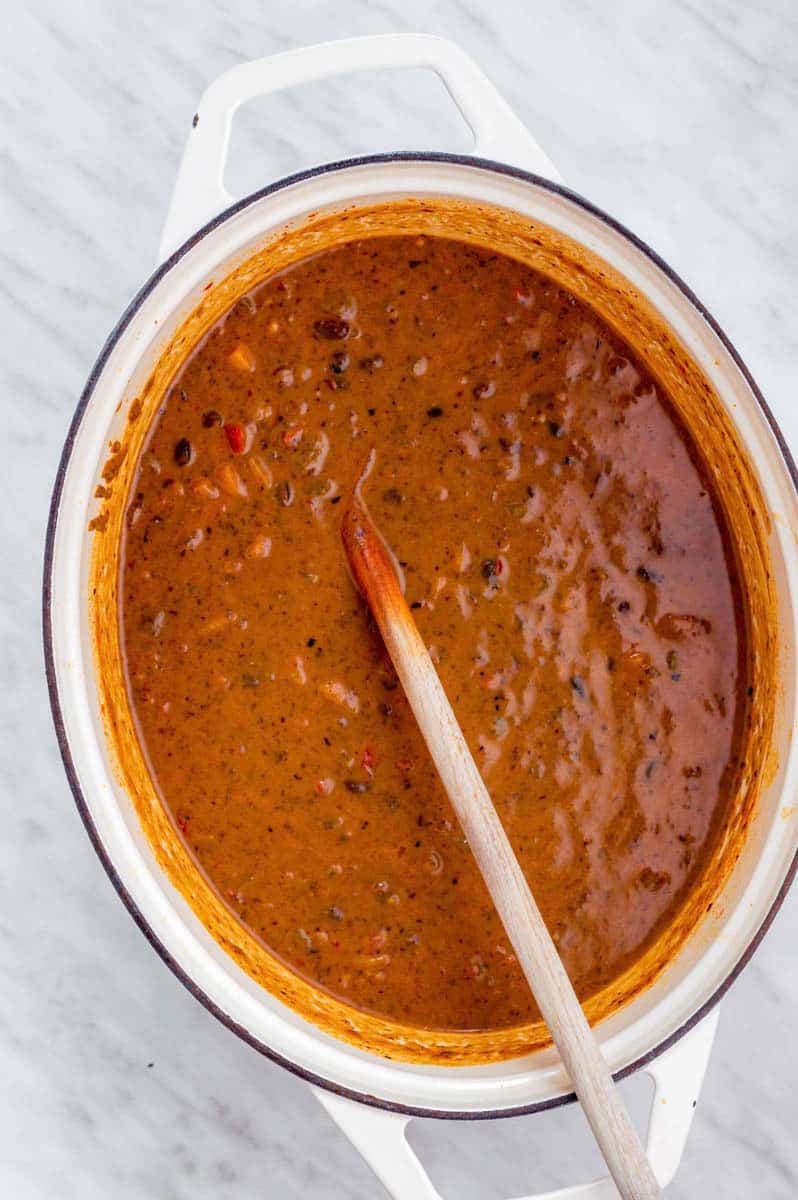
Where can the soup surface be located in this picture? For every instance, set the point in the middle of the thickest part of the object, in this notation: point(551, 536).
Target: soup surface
point(566, 564)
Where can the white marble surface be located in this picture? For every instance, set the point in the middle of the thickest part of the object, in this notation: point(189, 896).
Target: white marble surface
point(678, 118)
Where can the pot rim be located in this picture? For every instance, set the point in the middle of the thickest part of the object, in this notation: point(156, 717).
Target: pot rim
point(49, 655)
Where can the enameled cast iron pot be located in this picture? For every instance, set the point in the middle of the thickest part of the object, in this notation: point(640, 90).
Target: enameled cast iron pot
point(669, 1028)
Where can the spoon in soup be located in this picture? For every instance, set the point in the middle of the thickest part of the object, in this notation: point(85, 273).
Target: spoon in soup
point(376, 574)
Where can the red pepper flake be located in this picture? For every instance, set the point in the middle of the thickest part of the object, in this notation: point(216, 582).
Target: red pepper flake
point(182, 823)
point(292, 437)
point(403, 764)
point(236, 438)
point(522, 297)
point(368, 760)
point(325, 786)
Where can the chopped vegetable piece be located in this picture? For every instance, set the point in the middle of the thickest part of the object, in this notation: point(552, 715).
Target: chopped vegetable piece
point(236, 438)
point(241, 357)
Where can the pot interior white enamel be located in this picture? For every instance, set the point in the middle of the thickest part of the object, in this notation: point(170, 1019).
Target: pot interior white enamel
point(702, 970)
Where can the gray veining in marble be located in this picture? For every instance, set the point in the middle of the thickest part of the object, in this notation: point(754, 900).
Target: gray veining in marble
point(681, 120)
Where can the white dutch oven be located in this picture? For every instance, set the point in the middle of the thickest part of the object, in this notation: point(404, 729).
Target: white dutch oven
point(668, 1029)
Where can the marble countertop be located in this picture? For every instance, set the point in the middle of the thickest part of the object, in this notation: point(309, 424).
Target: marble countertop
point(679, 119)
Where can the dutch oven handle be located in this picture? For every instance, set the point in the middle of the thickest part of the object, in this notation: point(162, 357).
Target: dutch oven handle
point(200, 194)
point(380, 1138)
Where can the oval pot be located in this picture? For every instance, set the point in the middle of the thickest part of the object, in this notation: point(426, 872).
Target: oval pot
point(371, 1097)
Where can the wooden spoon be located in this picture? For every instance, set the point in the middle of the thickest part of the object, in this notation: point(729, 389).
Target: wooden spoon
point(375, 573)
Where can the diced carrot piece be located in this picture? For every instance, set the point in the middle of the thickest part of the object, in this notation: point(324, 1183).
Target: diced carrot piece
point(241, 357)
point(261, 470)
point(259, 547)
point(230, 481)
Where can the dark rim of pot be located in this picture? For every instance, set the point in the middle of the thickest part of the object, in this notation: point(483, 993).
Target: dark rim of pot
point(91, 829)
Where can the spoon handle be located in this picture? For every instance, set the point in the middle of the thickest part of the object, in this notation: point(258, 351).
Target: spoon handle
point(373, 569)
